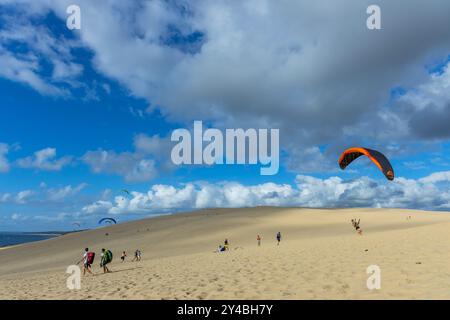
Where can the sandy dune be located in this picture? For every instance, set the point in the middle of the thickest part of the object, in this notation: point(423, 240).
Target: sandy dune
point(320, 257)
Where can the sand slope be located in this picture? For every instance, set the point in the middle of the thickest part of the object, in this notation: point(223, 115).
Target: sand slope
point(320, 257)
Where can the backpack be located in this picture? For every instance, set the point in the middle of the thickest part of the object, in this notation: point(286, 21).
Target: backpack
point(108, 256)
point(90, 257)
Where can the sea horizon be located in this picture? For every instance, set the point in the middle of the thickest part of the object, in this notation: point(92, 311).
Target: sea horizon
point(12, 238)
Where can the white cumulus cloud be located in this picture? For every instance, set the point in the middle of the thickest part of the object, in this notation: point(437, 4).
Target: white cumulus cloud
point(45, 160)
point(306, 191)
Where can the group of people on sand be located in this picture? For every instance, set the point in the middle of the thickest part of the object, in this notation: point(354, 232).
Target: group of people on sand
point(225, 246)
point(278, 237)
point(137, 256)
point(88, 260)
point(355, 225)
point(106, 258)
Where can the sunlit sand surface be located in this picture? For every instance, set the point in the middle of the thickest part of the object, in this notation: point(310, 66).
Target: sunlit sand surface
point(320, 257)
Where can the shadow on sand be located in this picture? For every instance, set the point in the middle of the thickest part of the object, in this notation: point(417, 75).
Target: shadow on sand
point(116, 271)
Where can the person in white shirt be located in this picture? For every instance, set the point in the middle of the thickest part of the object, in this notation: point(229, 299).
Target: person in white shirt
point(86, 263)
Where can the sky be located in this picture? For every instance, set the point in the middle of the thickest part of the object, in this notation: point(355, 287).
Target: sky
point(88, 113)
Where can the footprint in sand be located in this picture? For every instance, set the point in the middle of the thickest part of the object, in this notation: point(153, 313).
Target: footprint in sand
point(202, 296)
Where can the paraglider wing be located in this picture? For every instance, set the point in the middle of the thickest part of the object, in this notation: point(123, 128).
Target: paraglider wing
point(77, 224)
point(107, 220)
point(351, 154)
point(126, 191)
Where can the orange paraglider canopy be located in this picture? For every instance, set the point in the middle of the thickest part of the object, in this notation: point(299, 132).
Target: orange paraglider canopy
point(351, 154)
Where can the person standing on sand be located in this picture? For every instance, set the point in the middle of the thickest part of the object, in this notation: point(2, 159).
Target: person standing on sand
point(258, 238)
point(278, 238)
point(225, 244)
point(124, 255)
point(86, 261)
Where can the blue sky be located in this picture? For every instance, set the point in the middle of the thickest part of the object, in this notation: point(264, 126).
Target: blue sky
point(87, 113)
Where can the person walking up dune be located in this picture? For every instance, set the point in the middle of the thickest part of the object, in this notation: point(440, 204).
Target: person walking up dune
point(107, 257)
point(278, 238)
point(88, 259)
point(137, 255)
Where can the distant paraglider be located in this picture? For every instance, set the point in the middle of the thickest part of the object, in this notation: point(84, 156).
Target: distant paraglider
point(126, 192)
point(76, 225)
point(380, 160)
point(107, 220)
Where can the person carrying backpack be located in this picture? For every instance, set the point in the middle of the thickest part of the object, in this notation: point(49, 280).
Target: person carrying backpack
point(88, 260)
point(107, 257)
